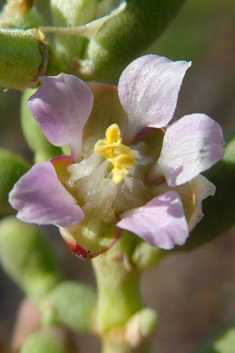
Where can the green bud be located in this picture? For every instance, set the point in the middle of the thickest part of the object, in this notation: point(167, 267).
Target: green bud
point(146, 256)
point(27, 258)
point(135, 336)
point(141, 326)
point(70, 304)
point(33, 134)
point(49, 340)
point(12, 167)
point(23, 58)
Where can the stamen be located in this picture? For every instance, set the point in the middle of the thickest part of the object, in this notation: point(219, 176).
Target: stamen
point(113, 134)
point(119, 155)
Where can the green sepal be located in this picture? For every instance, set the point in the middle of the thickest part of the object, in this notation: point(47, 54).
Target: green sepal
point(12, 167)
point(27, 258)
point(23, 57)
point(33, 134)
point(70, 304)
point(224, 342)
point(49, 340)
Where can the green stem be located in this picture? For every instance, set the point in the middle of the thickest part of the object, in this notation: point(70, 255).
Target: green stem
point(119, 299)
point(118, 285)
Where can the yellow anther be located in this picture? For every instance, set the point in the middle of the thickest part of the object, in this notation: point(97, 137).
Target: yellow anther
point(119, 174)
point(119, 155)
point(113, 134)
point(123, 161)
point(104, 149)
point(121, 149)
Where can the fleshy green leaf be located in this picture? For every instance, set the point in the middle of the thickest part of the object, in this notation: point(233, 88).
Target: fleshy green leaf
point(50, 340)
point(23, 57)
point(27, 258)
point(128, 33)
point(70, 304)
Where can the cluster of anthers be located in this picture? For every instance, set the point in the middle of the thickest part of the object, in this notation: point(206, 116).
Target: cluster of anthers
point(119, 155)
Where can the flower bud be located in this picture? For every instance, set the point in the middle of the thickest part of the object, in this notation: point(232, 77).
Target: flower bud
point(141, 326)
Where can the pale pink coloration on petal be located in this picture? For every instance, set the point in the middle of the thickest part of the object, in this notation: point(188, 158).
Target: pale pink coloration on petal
point(40, 198)
point(148, 90)
point(161, 222)
point(192, 194)
point(191, 145)
point(62, 106)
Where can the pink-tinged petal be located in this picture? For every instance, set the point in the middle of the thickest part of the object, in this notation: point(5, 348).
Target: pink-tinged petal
point(190, 146)
point(148, 90)
point(192, 194)
point(62, 106)
point(161, 222)
point(40, 198)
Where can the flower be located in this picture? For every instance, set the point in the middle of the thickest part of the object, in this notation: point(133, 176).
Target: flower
point(128, 170)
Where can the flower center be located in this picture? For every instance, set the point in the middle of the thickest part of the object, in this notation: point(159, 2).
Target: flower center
point(110, 178)
point(118, 154)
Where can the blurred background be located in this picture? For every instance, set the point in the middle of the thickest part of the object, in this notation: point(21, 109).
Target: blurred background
point(193, 293)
